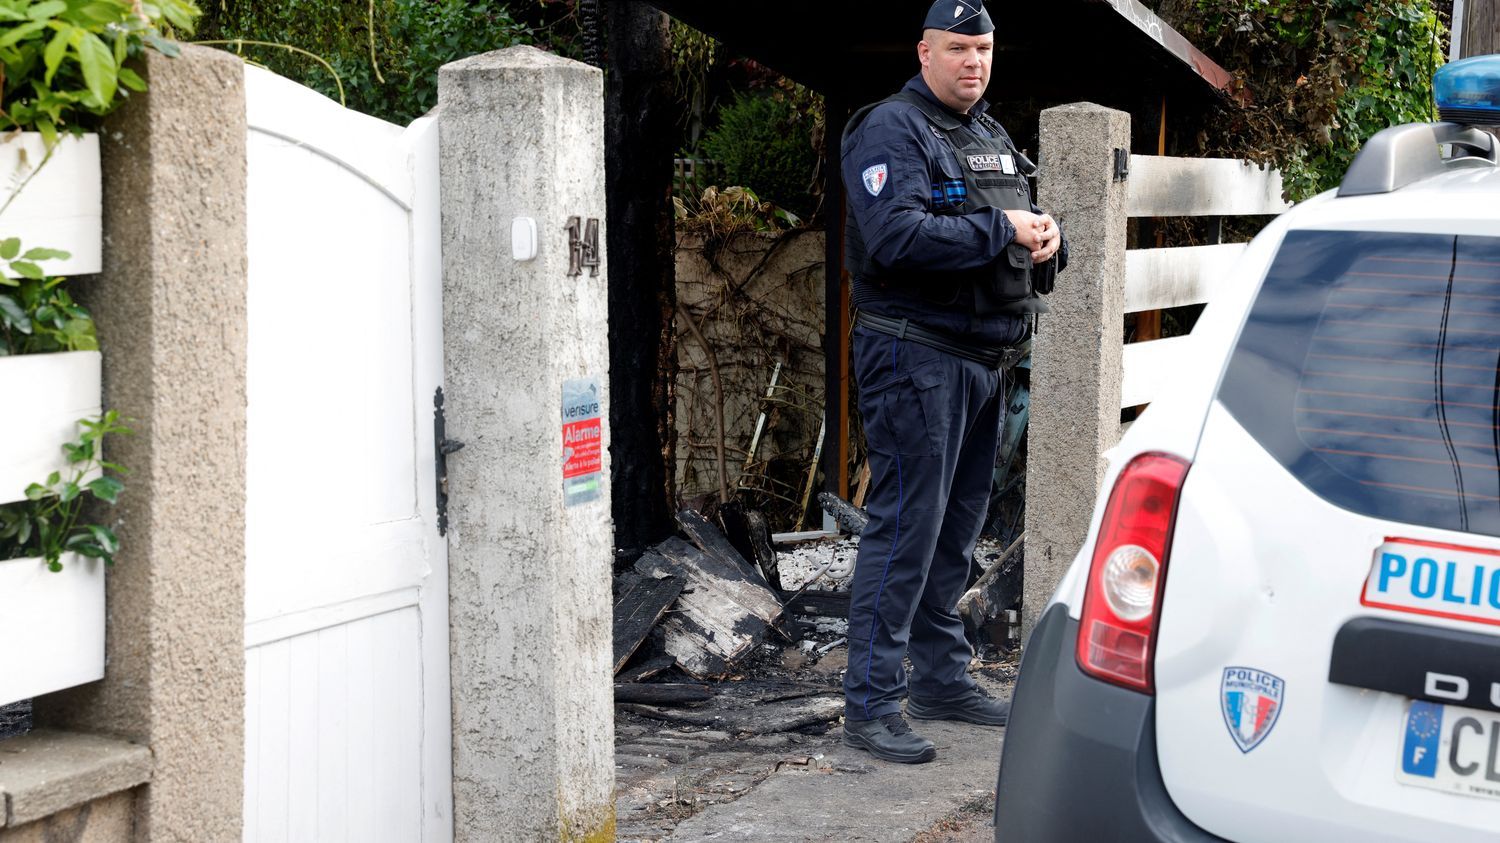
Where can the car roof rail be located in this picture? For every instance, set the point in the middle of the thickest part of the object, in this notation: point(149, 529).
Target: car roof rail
point(1401, 155)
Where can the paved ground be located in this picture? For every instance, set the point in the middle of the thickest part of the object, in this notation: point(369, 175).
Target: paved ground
point(680, 785)
point(846, 795)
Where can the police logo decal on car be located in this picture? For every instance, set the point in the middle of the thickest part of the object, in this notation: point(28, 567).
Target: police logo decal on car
point(875, 178)
point(1251, 702)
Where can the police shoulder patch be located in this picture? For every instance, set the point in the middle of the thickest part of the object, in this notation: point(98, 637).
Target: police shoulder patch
point(875, 177)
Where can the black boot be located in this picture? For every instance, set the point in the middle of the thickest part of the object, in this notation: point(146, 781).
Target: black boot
point(889, 738)
point(973, 706)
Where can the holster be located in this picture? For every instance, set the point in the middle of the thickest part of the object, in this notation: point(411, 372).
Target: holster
point(1044, 276)
point(1008, 281)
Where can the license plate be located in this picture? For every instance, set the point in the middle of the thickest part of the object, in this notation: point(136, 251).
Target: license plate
point(1452, 749)
point(1440, 580)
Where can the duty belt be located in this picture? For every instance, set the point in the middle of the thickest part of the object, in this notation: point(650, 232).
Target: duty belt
point(994, 357)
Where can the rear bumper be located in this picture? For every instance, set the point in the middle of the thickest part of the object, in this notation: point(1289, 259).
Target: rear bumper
point(1079, 760)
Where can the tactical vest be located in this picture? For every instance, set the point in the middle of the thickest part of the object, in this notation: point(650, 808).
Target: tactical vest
point(991, 171)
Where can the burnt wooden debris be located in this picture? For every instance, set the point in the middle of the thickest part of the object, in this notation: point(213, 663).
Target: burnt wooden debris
point(647, 668)
point(762, 719)
point(822, 604)
point(713, 542)
point(851, 519)
point(699, 605)
point(15, 719)
point(638, 608)
point(661, 693)
point(748, 531)
point(722, 614)
point(755, 707)
point(985, 602)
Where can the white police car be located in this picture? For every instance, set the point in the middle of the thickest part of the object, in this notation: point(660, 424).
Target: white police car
point(1285, 622)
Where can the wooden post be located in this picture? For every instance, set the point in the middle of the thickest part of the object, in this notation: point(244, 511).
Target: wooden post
point(638, 122)
point(836, 307)
point(1148, 322)
point(1478, 33)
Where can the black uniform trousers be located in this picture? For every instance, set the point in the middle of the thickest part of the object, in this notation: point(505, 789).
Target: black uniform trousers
point(932, 426)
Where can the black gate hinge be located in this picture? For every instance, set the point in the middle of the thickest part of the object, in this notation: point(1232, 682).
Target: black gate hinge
point(442, 447)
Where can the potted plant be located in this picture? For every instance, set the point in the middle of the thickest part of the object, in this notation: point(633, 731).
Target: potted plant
point(64, 68)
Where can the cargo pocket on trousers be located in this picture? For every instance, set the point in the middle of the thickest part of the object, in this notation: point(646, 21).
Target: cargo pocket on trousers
point(914, 412)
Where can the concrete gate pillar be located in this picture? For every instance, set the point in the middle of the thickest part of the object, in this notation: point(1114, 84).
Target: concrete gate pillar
point(526, 360)
point(1078, 354)
point(171, 311)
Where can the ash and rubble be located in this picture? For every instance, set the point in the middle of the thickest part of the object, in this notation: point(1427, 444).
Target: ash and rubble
point(701, 717)
point(826, 565)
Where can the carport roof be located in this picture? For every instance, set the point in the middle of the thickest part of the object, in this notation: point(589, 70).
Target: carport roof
point(1100, 50)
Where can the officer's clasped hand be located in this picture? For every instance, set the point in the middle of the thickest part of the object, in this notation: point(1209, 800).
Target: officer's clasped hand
point(1037, 232)
point(1051, 239)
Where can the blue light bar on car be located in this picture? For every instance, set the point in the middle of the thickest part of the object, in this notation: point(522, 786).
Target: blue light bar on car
point(1468, 91)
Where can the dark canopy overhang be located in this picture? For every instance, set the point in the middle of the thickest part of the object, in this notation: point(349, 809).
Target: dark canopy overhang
point(1106, 51)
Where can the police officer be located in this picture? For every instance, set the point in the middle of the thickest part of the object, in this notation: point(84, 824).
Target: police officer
point(948, 256)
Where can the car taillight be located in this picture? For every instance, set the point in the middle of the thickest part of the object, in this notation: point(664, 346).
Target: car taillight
point(1117, 631)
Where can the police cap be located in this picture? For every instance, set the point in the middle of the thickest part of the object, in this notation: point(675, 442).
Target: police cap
point(962, 17)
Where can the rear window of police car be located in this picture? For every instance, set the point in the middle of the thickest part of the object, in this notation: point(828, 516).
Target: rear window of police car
point(1370, 368)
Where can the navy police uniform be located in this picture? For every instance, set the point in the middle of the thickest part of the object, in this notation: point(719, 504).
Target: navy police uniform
point(943, 295)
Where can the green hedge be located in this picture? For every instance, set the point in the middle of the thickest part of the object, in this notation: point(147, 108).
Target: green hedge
point(1324, 75)
point(764, 142)
point(392, 74)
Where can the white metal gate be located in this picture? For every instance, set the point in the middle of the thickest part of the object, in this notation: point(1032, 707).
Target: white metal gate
point(348, 725)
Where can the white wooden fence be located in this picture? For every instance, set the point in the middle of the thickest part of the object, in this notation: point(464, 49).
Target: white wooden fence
point(1182, 275)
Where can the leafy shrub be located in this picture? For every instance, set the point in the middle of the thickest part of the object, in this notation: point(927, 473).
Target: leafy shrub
point(387, 53)
point(765, 143)
point(64, 60)
point(1324, 76)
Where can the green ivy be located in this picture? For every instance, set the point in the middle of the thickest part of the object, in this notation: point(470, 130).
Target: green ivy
point(387, 53)
point(1323, 76)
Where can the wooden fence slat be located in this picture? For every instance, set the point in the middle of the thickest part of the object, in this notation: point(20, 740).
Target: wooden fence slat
point(1200, 187)
point(1172, 277)
point(1148, 366)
